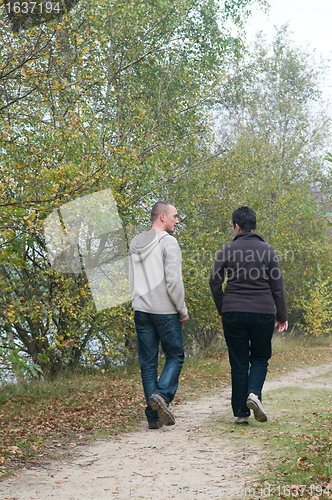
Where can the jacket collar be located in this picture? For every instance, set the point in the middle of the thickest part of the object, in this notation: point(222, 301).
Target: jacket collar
point(247, 235)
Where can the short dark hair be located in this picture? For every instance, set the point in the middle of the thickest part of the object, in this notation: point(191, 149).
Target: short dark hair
point(160, 206)
point(245, 217)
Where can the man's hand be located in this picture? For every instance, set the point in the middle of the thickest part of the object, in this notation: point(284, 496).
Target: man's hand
point(282, 326)
point(184, 320)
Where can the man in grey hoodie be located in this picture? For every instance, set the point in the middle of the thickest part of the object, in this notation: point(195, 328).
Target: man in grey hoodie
point(155, 280)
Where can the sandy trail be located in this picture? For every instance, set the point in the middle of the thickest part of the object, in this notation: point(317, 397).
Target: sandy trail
point(178, 462)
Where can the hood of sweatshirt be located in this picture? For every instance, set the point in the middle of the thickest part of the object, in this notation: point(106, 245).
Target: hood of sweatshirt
point(144, 243)
point(146, 262)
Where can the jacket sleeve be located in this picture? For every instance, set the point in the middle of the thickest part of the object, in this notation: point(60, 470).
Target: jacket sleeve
point(216, 280)
point(277, 287)
point(173, 275)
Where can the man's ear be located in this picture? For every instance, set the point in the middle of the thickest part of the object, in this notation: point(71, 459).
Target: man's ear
point(162, 216)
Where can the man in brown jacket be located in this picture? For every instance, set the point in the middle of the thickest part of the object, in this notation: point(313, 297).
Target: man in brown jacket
point(247, 308)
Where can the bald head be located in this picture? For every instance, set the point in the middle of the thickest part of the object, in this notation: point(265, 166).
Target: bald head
point(164, 217)
point(158, 208)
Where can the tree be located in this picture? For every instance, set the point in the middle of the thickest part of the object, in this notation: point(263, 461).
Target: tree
point(24, 15)
point(272, 129)
point(111, 97)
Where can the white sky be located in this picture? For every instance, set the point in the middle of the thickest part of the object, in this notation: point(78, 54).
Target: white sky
point(309, 20)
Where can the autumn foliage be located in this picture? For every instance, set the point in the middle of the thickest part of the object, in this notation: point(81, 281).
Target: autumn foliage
point(153, 100)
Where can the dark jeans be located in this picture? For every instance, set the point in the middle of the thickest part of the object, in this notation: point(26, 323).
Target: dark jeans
point(150, 329)
point(248, 338)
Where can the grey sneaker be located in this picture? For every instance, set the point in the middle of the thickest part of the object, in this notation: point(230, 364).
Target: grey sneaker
point(256, 406)
point(155, 425)
point(159, 404)
point(241, 420)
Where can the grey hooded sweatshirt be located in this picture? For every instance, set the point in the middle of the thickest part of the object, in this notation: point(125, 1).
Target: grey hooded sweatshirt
point(155, 274)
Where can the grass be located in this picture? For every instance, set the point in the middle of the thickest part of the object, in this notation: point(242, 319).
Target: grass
point(296, 442)
point(40, 419)
point(297, 351)
point(305, 436)
point(36, 417)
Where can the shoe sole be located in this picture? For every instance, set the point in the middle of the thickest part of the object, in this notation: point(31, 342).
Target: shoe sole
point(259, 414)
point(241, 423)
point(165, 416)
point(155, 425)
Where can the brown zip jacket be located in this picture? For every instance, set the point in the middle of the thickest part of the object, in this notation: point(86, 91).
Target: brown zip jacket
point(254, 278)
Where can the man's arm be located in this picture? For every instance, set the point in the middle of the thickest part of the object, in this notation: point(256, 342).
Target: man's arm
point(277, 288)
point(173, 276)
point(216, 280)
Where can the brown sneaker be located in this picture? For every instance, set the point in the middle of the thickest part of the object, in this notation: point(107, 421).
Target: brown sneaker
point(159, 404)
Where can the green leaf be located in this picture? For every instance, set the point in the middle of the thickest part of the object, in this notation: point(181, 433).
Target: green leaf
point(307, 210)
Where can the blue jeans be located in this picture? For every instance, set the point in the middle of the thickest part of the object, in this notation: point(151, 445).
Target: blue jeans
point(248, 337)
point(150, 329)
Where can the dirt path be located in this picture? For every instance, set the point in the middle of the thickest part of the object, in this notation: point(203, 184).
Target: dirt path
point(179, 462)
